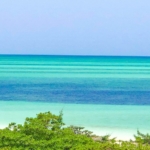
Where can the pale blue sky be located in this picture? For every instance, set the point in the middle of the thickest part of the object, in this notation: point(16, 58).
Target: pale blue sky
point(75, 27)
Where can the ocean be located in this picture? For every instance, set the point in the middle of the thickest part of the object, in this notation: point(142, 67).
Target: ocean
point(107, 95)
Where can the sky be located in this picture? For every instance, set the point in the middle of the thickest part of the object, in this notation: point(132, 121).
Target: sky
point(75, 27)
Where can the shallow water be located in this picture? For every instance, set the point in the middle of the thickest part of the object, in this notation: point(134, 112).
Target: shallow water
point(104, 94)
point(117, 120)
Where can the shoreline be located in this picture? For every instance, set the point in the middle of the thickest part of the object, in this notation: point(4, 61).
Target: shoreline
point(120, 134)
point(118, 121)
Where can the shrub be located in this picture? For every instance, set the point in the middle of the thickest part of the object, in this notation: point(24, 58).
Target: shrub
point(47, 132)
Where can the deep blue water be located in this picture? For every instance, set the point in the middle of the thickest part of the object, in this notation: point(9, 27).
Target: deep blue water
point(75, 79)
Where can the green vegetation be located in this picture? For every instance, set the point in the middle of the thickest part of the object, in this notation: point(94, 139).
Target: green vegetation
point(47, 132)
point(142, 138)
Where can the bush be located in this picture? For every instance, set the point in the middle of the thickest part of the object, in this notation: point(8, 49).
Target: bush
point(43, 132)
point(142, 138)
point(47, 132)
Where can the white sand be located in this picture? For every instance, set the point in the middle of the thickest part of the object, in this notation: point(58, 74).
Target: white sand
point(119, 134)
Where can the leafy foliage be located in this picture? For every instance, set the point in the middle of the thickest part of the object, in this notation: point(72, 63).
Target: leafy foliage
point(47, 132)
point(79, 130)
point(142, 138)
point(43, 132)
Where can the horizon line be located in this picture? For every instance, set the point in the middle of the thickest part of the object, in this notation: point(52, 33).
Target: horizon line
point(75, 55)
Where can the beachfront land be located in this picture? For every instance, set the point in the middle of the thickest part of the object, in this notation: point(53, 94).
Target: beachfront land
point(47, 132)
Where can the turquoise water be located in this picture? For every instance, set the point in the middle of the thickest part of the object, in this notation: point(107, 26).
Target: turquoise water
point(104, 94)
